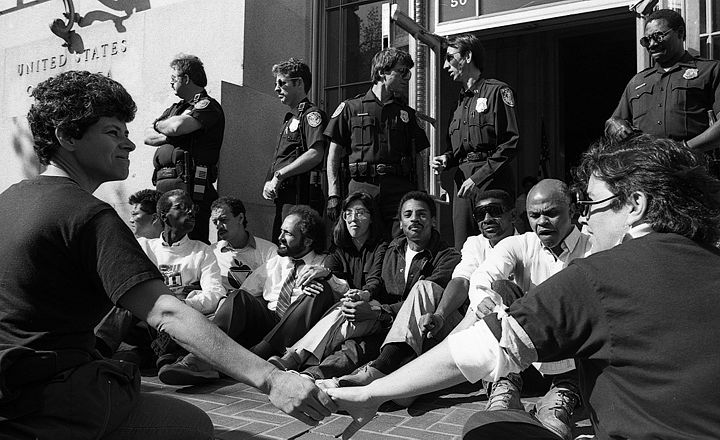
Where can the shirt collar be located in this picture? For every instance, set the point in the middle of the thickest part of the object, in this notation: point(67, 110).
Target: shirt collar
point(568, 244)
point(178, 243)
point(687, 61)
point(308, 259)
point(226, 246)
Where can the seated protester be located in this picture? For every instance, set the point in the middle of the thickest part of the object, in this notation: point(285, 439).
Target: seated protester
point(636, 315)
point(188, 268)
point(238, 251)
point(416, 269)
point(66, 258)
point(493, 211)
point(529, 259)
point(271, 310)
point(357, 257)
point(144, 221)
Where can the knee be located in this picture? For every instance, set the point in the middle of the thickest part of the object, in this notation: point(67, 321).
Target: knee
point(426, 289)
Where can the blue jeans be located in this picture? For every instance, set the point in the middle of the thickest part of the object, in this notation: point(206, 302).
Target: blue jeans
point(159, 417)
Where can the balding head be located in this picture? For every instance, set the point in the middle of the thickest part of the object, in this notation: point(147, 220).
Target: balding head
point(550, 211)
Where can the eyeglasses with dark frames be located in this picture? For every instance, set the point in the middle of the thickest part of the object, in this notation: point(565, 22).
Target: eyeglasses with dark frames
point(658, 37)
point(449, 57)
point(281, 83)
point(583, 202)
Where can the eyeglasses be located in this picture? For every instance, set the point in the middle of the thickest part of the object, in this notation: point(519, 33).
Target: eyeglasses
point(174, 79)
point(281, 83)
point(404, 72)
point(583, 202)
point(492, 209)
point(658, 37)
point(450, 57)
point(360, 214)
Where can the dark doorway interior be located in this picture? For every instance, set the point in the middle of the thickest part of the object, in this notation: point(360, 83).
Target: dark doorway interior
point(593, 71)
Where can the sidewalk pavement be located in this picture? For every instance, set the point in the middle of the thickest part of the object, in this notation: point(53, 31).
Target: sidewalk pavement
point(242, 412)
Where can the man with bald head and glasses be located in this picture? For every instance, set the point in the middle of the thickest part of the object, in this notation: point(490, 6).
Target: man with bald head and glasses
point(294, 177)
point(678, 97)
point(379, 134)
point(483, 132)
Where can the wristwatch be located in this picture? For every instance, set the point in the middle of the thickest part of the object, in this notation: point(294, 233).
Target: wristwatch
point(278, 175)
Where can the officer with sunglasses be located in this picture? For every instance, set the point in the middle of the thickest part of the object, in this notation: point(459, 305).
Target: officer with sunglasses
point(483, 132)
point(379, 135)
point(678, 97)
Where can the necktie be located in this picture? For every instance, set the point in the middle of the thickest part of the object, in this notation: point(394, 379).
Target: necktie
point(287, 289)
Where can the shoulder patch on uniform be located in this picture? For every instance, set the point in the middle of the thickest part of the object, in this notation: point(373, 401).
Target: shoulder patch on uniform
point(404, 116)
point(314, 119)
point(507, 97)
point(201, 104)
point(338, 110)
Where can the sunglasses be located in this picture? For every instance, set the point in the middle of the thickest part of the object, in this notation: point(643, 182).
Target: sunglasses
point(282, 83)
point(449, 57)
point(493, 210)
point(658, 37)
point(583, 202)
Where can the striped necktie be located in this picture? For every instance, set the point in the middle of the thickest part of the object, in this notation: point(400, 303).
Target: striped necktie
point(287, 289)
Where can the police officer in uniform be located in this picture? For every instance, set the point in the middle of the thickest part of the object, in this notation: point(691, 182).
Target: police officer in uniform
point(483, 133)
point(295, 175)
point(678, 97)
point(188, 137)
point(380, 136)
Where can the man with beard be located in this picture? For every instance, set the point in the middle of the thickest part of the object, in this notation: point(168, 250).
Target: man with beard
point(530, 259)
point(416, 269)
point(494, 214)
point(380, 136)
point(270, 311)
point(189, 270)
point(237, 250)
point(294, 177)
point(675, 97)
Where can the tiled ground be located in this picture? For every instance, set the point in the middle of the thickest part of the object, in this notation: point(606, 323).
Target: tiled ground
point(242, 412)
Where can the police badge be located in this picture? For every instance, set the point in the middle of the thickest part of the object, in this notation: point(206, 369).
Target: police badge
point(314, 119)
point(690, 74)
point(481, 105)
point(293, 126)
point(404, 116)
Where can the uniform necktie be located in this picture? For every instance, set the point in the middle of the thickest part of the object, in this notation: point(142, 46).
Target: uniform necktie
point(287, 289)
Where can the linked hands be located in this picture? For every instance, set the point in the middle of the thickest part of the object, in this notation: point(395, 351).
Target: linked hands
point(298, 397)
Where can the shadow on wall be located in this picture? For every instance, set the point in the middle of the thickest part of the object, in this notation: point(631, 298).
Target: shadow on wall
point(22, 143)
point(253, 123)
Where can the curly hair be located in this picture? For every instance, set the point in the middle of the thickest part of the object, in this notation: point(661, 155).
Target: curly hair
point(420, 196)
point(386, 59)
point(147, 199)
point(70, 103)
point(191, 66)
point(469, 43)
point(294, 68)
point(673, 19)
point(236, 207)
point(682, 196)
point(341, 236)
point(311, 226)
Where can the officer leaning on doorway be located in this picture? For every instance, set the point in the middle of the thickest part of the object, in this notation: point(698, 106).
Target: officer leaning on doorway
point(188, 137)
point(380, 135)
point(295, 175)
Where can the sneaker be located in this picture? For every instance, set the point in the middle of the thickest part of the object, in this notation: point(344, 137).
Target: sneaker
point(362, 376)
point(184, 372)
point(505, 394)
point(555, 409)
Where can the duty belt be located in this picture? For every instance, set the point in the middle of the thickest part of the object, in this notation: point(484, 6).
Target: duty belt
point(364, 169)
point(478, 156)
point(167, 173)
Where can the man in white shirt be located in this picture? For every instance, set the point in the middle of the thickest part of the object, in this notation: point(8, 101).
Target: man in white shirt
point(269, 312)
point(530, 259)
point(189, 270)
point(495, 217)
point(237, 250)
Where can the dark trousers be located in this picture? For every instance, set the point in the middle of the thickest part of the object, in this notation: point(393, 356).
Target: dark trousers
point(352, 354)
point(248, 321)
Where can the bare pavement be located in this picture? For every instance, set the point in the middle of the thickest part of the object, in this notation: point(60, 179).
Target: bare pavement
point(240, 411)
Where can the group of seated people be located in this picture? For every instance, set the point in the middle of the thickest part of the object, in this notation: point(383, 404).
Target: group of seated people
point(366, 307)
